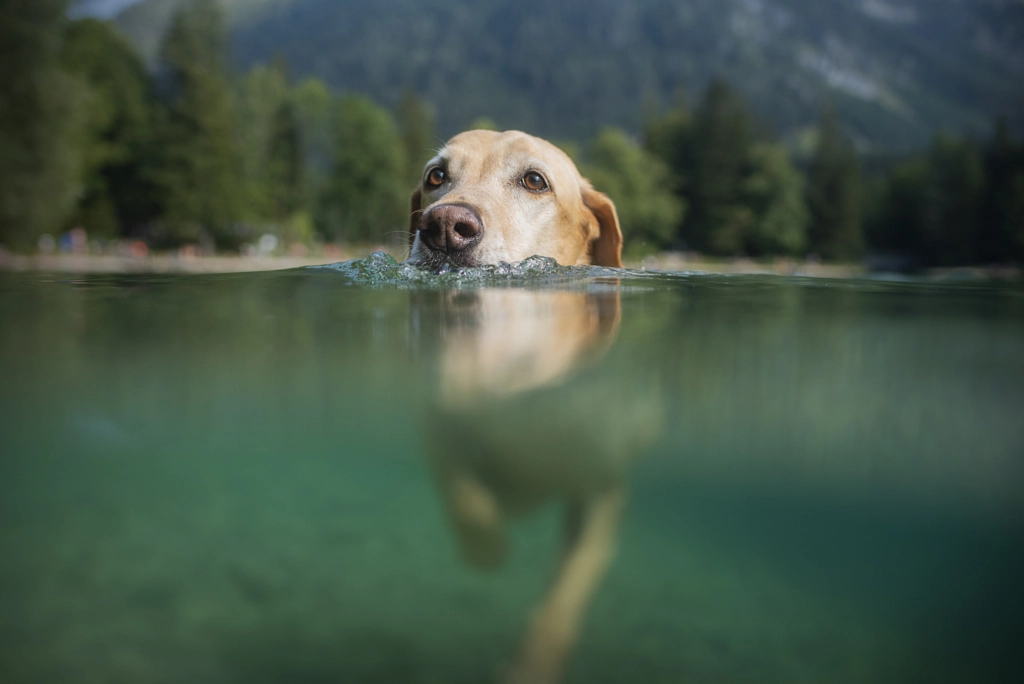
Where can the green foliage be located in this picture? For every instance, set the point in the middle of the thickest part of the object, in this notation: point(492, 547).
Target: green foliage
point(957, 204)
point(640, 185)
point(199, 177)
point(669, 138)
point(88, 138)
point(284, 163)
point(1002, 215)
point(951, 226)
point(719, 154)
point(416, 125)
point(834, 194)
point(774, 191)
point(1012, 218)
point(119, 114)
point(897, 224)
point(314, 104)
point(271, 150)
point(365, 197)
point(42, 126)
point(746, 196)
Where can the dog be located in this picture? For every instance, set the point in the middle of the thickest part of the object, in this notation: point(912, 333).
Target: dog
point(489, 197)
point(512, 427)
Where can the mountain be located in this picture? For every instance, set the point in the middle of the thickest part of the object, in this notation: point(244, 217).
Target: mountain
point(897, 70)
point(98, 8)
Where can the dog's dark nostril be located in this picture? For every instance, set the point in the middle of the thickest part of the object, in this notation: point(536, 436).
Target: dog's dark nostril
point(466, 230)
point(450, 227)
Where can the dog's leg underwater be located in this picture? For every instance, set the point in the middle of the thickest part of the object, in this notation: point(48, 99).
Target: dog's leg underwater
point(591, 528)
point(473, 512)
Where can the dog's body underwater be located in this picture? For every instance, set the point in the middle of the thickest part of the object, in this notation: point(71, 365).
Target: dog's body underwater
point(509, 430)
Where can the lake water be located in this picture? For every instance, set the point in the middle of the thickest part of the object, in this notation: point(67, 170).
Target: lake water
point(235, 478)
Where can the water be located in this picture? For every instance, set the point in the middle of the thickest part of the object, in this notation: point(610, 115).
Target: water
point(247, 478)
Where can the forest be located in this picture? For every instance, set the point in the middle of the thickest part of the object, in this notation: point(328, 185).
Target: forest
point(184, 151)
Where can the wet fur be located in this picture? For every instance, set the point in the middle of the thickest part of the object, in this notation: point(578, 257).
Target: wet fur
point(571, 222)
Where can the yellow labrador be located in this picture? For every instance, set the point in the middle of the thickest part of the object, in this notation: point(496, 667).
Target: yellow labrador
point(524, 435)
point(516, 425)
point(488, 197)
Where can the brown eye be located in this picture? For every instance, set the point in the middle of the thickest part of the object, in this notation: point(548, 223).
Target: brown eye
point(435, 177)
point(535, 182)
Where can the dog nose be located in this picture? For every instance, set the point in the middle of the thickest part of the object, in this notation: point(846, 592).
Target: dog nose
point(450, 227)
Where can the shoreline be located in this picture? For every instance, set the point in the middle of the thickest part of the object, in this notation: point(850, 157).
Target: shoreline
point(669, 262)
point(160, 263)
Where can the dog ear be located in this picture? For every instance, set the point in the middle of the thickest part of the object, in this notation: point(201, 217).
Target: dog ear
point(414, 216)
point(606, 248)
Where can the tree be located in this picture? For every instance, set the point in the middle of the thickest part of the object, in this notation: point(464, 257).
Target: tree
point(313, 106)
point(41, 124)
point(1002, 217)
point(952, 213)
point(898, 226)
point(640, 184)
point(669, 138)
point(931, 206)
point(284, 163)
point(365, 196)
point(1013, 218)
point(118, 193)
point(834, 194)
point(200, 175)
point(271, 152)
point(775, 192)
point(416, 126)
point(720, 155)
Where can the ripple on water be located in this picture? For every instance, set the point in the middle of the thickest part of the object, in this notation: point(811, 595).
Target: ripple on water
point(381, 268)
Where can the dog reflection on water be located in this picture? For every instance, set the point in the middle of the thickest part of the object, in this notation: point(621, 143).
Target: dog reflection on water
point(521, 420)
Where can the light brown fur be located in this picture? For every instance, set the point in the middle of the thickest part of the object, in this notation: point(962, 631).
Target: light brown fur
point(519, 347)
point(570, 222)
point(496, 456)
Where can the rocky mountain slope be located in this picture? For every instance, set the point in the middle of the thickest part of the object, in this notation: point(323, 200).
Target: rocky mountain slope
point(898, 70)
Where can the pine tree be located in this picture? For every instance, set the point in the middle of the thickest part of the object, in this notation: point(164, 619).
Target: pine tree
point(898, 226)
point(834, 194)
point(954, 202)
point(262, 92)
point(720, 156)
point(774, 191)
point(41, 125)
point(366, 197)
point(669, 139)
point(200, 176)
point(118, 194)
point(313, 106)
point(1002, 219)
point(285, 163)
point(416, 126)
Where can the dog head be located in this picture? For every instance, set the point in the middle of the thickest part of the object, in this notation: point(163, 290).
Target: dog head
point(488, 197)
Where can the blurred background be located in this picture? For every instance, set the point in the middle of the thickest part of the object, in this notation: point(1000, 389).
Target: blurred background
point(882, 133)
point(217, 479)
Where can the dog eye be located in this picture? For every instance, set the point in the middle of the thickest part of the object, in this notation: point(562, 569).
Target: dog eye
point(435, 177)
point(534, 182)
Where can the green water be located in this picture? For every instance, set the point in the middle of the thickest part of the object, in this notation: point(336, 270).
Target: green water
point(215, 479)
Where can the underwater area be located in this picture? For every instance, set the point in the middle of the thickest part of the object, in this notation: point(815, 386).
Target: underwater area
point(241, 478)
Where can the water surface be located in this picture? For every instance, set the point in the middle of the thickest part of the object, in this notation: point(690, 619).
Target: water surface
point(233, 478)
